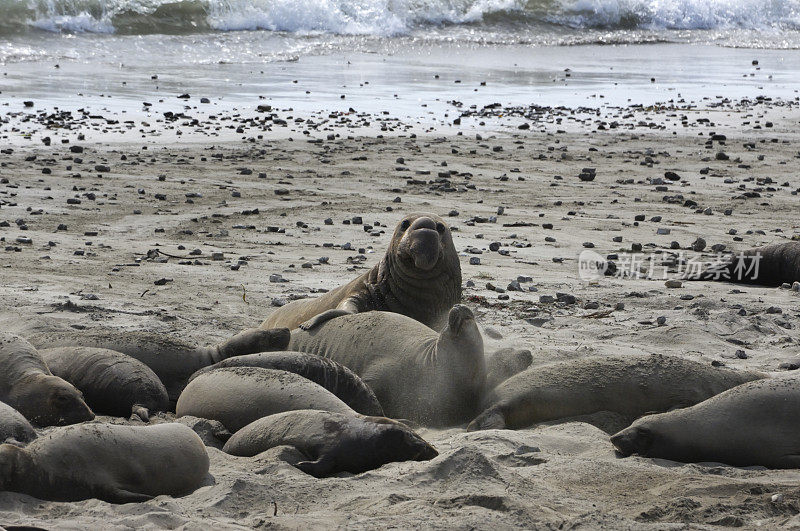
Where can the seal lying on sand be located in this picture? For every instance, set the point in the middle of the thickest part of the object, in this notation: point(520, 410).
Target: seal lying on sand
point(13, 426)
point(331, 375)
point(27, 385)
point(332, 442)
point(432, 378)
point(755, 423)
point(419, 276)
point(112, 383)
point(236, 396)
point(627, 384)
point(172, 359)
point(118, 464)
point(772, 265)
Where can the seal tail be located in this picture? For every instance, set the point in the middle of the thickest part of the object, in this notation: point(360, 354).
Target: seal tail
point(491, 419)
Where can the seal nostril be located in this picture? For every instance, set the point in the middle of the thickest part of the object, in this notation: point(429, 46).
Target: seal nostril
point(440, 228)
point(405, 224)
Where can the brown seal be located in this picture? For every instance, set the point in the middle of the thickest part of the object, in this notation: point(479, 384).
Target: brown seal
point(753, 424)
point(772, 265)
point(419, 276)
point(332, 442)
point(118, 464)
point(435, 378)
point(171, 358)
point(27, 385)
point(629, 385)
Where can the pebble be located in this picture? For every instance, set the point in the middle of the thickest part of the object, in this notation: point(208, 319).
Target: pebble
point(661, 320)
point(474, 260)
point(673, 283)
point(698, 245)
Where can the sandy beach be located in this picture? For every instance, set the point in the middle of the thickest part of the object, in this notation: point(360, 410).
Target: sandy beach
point(200, 236)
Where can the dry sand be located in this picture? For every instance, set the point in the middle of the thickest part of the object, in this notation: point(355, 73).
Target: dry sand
point(190, 199)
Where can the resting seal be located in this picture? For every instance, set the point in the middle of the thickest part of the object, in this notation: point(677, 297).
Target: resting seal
point(236, 396)
point(331, 375)
point(172, 359)
point(112, 383)
point(630, 385)
point(13, 426)
point(332, 442)
point(27, 385)
point(118, 464)
point(416, 373)
point(419, 276)
point(755, 423)
point(772, 265)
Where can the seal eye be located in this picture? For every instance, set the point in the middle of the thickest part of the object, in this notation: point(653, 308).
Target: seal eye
point(405, 224)
point(440, 228)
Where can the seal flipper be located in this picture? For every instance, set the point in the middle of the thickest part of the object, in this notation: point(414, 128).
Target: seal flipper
point(324, 317)
point(115, 495)
point(140, 411)
point(319, 468)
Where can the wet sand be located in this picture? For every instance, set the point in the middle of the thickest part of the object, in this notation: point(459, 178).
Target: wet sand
point(239, 225)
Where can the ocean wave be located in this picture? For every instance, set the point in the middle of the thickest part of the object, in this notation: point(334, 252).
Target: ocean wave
point(386, 17)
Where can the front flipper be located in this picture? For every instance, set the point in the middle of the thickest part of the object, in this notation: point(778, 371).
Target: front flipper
point(141, 412)
point(115, 495)
point(324, 317)
point(319, 469)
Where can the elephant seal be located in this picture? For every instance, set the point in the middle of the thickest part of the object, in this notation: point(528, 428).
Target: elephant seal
point(172, 359)
point(13, 426)
point(630, 385)
point(236, 396)
point(505, 363)
point(27, 385)
point(332, 442)
point(419, 276)
point(752, 424)
point(112, 383)
point(118, 464)
point(432, 378)
point(771, 265)
point(331, 375)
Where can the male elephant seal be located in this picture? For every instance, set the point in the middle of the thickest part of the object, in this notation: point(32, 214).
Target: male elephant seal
point(112, 383)
point(332, 442)
point(331, 375)
point(118, 464)
point(27, 385)
point(630, 385)
point(772, 265)
point(416, 373)
point(236, 396)
point(755, 423)
point(419, 276)
point(172, 359)
point(13, 426)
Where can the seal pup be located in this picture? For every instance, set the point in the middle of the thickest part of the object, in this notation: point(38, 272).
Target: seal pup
point(753, 424)
point(771, 265)
point(172, 359)
point(27, 385)
point(236, 396)
point(331, 375)
point(332, 442)
point(630, 385)
point(118, 464)
point(112, 383)
point(14, 427)
point(432, 378)
point(419, 276)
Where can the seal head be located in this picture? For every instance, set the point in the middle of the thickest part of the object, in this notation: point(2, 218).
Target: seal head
point(51, 401)
point(633, 440)
point(420, 243)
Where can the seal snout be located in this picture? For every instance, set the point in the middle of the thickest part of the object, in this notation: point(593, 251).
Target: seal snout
point(459, 316)
point(631, 440)
point(423, 241)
